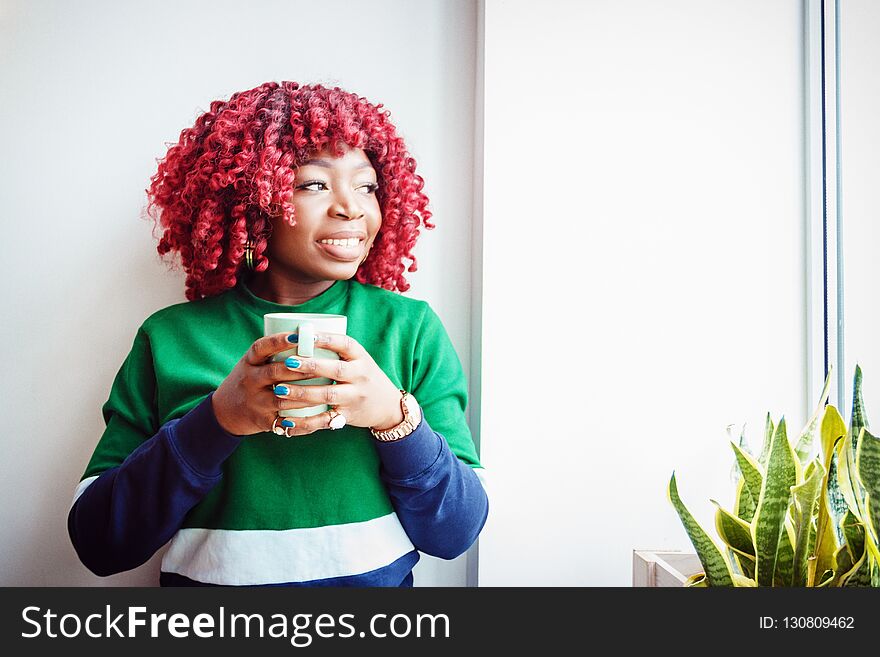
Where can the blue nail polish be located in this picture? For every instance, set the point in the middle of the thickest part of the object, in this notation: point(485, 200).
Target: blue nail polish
point(288, 424)
point(281, 391)
point(293, 337)
point(292, 363)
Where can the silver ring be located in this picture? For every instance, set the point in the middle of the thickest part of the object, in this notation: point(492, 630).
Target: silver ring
point(337, 420)
point(278, 431)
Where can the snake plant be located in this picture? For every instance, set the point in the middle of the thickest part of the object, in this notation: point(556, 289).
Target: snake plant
point(806, 513)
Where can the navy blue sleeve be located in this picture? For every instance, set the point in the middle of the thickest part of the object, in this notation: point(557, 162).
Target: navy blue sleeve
point(132, 510)
point(439, 500)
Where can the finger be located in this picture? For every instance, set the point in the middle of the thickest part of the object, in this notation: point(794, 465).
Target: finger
point(297, 396)
point(290, 369)
point(346, 346)
point(267, 346)
point(296, 368)
point(282, 425)
point(306, 425)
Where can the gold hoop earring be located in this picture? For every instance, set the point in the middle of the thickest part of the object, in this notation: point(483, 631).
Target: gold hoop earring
point(249, 254)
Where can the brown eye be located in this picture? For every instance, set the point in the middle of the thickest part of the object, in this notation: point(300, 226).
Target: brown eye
point(313, 186)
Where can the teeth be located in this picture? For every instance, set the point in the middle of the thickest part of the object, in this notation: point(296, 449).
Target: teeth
point(351, 241)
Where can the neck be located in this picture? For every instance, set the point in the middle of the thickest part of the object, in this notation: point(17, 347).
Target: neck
point(286, 291)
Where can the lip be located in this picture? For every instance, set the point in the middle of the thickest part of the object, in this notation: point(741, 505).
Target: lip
point(344, 235)
point(343, 253)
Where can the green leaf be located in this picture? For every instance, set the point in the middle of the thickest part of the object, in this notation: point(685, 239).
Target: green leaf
point(745, 503)
point(769, 430)
point(811, 539)
point(696, 581)
point(741, 581)
point(714, 564)
point(746, 565)
point(743, 445)
point(859, 419)
point(735, 568)
point(868, 468)
point(832, 428)
point(860, 574)
point(784, 573)
point(843, 565)
point(804, 446)
point(847, 480)
point(806, 497)
point(752, 479)
point(853, 563)
point(834, 504)
point(736, 533)
point(854, 533)
point(837, 504)
point(767, 526)
point(822, 555)
point(846, 456)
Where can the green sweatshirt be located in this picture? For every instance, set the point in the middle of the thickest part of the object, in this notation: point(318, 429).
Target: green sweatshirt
point(334, 507)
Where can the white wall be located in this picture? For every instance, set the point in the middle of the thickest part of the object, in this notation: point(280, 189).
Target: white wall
point(643, 271)
point(92, 91)
point(860, 198)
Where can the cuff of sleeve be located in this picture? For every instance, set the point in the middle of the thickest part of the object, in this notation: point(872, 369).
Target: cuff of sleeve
point(410, 456)
point(202, 442)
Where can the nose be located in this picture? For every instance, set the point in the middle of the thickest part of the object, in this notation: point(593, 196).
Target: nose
point(345, 205)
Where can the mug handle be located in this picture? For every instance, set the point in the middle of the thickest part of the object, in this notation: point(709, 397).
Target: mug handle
point(305, 345)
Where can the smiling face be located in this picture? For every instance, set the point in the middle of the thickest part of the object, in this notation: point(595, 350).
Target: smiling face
point(337, 219)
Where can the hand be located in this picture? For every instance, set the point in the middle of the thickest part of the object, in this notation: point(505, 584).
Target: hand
point(245, 403)
point(363, 392)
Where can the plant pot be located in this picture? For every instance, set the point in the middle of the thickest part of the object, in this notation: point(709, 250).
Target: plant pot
point(664, 567)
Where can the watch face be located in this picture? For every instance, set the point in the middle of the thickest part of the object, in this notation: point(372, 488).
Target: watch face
point(412, 417)
point(412, 407)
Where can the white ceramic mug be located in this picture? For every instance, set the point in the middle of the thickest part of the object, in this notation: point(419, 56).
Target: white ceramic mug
point(306, 325)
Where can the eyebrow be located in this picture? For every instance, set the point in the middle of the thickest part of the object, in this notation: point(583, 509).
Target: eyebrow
point(329, 165)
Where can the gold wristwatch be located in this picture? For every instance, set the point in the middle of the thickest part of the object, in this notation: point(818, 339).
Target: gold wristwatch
point(412, 416)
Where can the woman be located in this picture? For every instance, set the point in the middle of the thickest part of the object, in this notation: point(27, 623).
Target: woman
point(285, 198)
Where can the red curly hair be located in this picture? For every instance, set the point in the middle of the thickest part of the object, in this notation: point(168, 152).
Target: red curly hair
point(234, 170)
